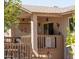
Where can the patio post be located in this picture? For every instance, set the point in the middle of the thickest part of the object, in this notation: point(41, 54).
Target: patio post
point(34, 33)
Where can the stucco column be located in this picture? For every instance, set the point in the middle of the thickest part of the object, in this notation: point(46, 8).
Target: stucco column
point(34, 33)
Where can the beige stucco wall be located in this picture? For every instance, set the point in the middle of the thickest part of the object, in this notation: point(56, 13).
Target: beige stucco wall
point(42, 21)
point(41, 18)
point(22, 28)
point(54, 20)
point(64, 26)
point(64, 23)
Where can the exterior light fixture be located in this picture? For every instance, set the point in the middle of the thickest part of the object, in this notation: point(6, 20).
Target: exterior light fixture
point(38, 24)
point(47, 19)
point(58, 25)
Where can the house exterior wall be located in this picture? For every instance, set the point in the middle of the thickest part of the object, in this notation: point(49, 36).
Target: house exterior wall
point(63, 21)
point(22, 28)
point(64, 26)
point(50, 20)
point(42, 21)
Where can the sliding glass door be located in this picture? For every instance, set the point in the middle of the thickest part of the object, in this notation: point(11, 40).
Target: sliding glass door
point(48, 29)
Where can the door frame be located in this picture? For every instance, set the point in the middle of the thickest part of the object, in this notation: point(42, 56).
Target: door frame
point(47, 23)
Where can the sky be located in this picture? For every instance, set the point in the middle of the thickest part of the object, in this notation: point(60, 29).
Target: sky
point(50, 3)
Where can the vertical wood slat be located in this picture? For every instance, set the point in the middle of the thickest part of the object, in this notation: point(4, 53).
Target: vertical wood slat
point(22, 49)
point(42, 41)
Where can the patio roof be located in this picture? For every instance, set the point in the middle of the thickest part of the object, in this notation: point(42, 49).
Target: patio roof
point(44, 9)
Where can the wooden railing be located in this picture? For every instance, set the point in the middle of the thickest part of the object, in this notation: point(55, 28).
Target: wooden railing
point(47, 41)
point(16, 50)
point(20, 47)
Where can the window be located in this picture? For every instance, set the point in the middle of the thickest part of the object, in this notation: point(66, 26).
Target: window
point(48, 29)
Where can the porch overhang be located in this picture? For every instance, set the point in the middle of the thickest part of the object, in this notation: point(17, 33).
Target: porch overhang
point(68, 12)
point(25, 14)
point(26, 10)
point(45, 11)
